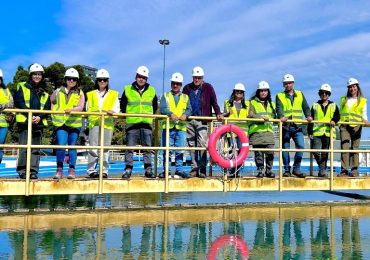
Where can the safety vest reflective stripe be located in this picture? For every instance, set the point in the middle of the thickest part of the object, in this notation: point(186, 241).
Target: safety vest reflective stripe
point(20, 118)
point(177, 109)
point(139, 104)
point(353, 114)
point(108, 104)
point(261, 111)
point(62, 104)
point(4, 99)
point(323, 129)
point(292, 110)
point(243, 113)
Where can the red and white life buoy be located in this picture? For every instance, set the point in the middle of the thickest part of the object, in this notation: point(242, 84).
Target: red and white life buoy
point(233, 240)
point(243, 152)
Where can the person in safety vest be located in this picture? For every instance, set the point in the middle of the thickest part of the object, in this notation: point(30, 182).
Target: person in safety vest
point(139, 98)
point(291, 104)
point(326, 111)
point(176, 105)
point(353, 108)
point(31, 95)
point(68, 98)
point(202, 99)
point(261, 134)
point(6, 101)
point(101, 99)
point(237, 107)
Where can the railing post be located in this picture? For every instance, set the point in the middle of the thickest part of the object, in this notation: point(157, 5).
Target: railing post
point(210, 130)
point(167, 163)
point(280, 156)
point(331, 157)
point(157, 138)
point(29, 151)
point(101, 152)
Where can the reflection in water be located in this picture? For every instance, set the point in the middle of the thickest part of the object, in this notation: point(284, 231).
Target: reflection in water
point(269, 233)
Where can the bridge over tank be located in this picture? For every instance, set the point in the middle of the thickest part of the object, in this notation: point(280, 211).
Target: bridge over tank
point(139, 184)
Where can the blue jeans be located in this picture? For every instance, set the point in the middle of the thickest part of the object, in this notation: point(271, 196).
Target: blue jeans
point(296, 134)
point(177, 139)
point(67, 135)
point(3, 134)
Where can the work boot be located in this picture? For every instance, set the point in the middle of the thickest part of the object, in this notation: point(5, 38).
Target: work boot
point(149, 173)
point(127, 173)
point(270, 174)
point(71, 173)
point(260, 173)
point(322, 174)
point(354, 173)
point(33, 176)
point(287, 173)
point(59, 174)
point(343, 173)
point(193, 173)
point(298, 174)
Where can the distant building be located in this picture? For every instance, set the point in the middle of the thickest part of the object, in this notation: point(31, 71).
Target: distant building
point(90, 72)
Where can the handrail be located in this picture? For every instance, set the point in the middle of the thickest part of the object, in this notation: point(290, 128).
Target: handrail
point(166, 148)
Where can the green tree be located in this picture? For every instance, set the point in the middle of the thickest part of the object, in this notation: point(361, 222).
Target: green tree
point(86, 82)
point(55, 74)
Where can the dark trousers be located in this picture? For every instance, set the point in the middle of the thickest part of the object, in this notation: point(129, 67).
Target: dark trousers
point(262, 157)
point(140, 136)
point(35, 153)
point(321, 142)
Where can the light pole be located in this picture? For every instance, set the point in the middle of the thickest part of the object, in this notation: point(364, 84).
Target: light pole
point(164, 42)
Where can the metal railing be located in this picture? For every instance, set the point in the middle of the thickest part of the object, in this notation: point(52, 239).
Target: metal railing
point(166, 148)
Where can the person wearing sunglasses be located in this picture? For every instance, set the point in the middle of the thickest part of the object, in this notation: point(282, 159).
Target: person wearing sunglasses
point(175, 105)
point(139, 98)
point(6, 101)
point(202, 99)
point(261, 134)
point(327, 111)
point(101, 99)
point(31, 95)
point(68, 98)
point(353, 108)
point(291, 104)
point(237, 107)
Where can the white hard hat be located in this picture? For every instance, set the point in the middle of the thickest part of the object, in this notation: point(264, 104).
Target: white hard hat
point(288, 78)
point(239, 86)
point(198, 72)
point(352, 81)
point(177, 77)
point(1, 73)
point(143, 71)
point(102, 73)
point(36, 68)
point(71, 73)
point(263, 85)
point(325, 87)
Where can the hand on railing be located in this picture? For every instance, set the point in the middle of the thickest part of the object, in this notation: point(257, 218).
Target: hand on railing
point(220, 117)
point(309, 119)
point(35, 120)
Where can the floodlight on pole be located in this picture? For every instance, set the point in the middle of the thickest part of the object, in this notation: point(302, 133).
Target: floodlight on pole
point(164, 42)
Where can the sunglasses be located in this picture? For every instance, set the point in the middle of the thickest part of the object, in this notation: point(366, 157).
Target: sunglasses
point(198, 78)
point(263, 90)
point(102, 80)
point(324, 93)
point(71, 79)
point(37, 74)
point(141, 77)
point(176, 83)
point(239, 91)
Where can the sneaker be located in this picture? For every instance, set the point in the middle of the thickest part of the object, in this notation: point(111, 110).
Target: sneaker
point(270, 174)
point(321, 174)
point(354, 173)
point(193, 173)
point(33, 176)
point(127, 173)
point(343, 173)
point(181, 174)
point(93, 175)
point(71, 173)
point(105, 175)
point(287, 173)
point(22, 175)
point(260, 174)
point(59, 174)
point(149, 173)
point(298, 174)
point(162, 175)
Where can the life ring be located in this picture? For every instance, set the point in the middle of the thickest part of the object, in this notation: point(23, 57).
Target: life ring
point(243, 152)
point(224, 240)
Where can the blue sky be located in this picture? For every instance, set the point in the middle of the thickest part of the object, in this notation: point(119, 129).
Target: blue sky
point(234, 41)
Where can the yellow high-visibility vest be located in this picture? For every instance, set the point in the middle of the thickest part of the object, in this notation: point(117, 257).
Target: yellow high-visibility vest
point(292, 110)
point(139, 104)
point(260, 112)
point(108, 104)
point(323, 129)
point(178, 109)
point(4, 100)
point(353, 114)
point(243, 113)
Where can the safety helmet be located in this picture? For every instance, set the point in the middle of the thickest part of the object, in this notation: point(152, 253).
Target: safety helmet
point(177, 77)
point(71, 73)
point(325, 87)
point(1, 73)
point(288, 78)
point(36, 68)
point(263, 85)
point(198, 72)
point(102, 73)
point(143, 71)
point(239, 86)
point(352, 81)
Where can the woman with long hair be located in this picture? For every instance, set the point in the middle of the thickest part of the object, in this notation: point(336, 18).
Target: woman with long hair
point(353, 108)
point(68, 98)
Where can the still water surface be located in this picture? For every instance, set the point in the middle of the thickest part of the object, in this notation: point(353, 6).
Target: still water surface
point(302, 231)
